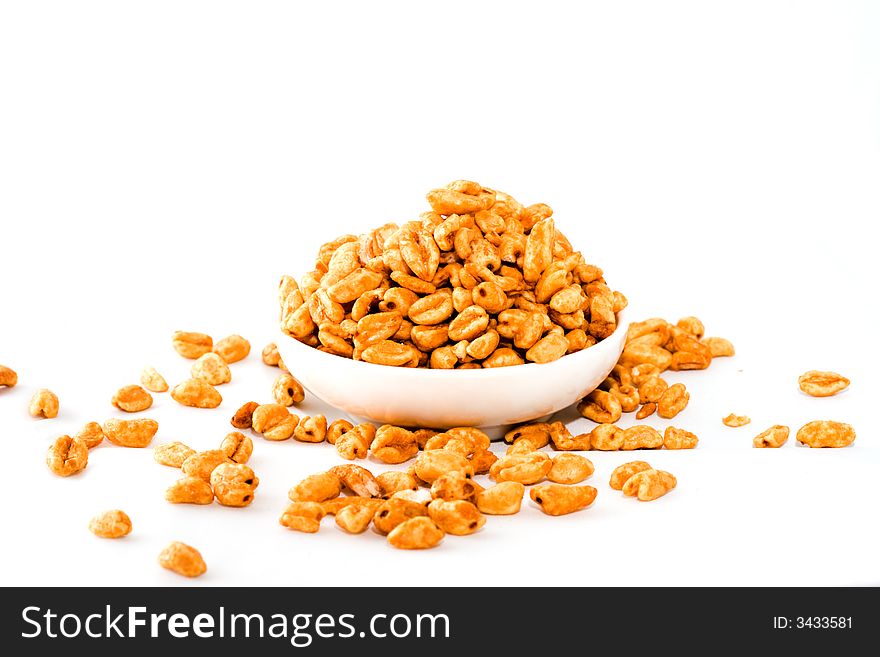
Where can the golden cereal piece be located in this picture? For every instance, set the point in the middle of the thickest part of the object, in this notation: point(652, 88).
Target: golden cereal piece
point(434, 463)
point(355, 518)
point(692, 325)
point(237, 447)
point(311, 429)
point(622, 473)
point(316, 488)
point(336, 429)
point(358, 480)
point(302, 517)
point(189, 490)
point(775, 436)
point(549, 348)
point(202, 464)
point(8, 377)
point(674, 438)
point(673, 401)
point(826, 433)
point(111, 524)
point(244, 416)
point(719, 347)
point(132, 399)
point(232, 348)
point(646, 410)
point(526, 469)
point(191, 345)
point(822, 384)
point(651, 389)
point(454, 485)
point(482, 461)
point(44, 404)
point(600, 407)
point(502, 499)
point(130, 433)
point(234, 484)
point(212, 369)
point(355, 443)
point(287, 391)
point(394, 444)
point(416, 534)
point(456, 517)
point(183, 560)
point(196, 393)
point(558, 500)
point(270, 355)
point(274, 422)
point(394, 481)
point(395, 511)
point(607, 438)
point(641, 437)
point(67, 456)
point(736, 420)
point(648, 485)
point(172, 454)
point(570, 469)
point(152, 380)
point(91, 434)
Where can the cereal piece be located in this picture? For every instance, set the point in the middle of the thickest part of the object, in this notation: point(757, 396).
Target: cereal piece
point(719, 347)
point(419, 496)
point(234, 484)
point(211, 369)
point(183, 560)
point(172, 454)
point(673, 401)
point(537, 432)
point(191, 345)
point(202, 464)
point(570, 469)
point(152, 380)
point(395, 511)
point(302, 517)
point(775, 436)
point(646, 410)
point(674, 438)
point(130, 433)
point(232, 348)
point(237, 447)
point(434, 463)
point(482, 461)
point(525, 468)
point(189, 490)
point(622, 473)
point(355, 443)
point(44, 403)
point(390, 353)
point(355, 518)
point(287, 391)
point(67, 456)
point(736, 420)
point(641, 437)
point(826, 433)
point(336, 429)
point(416, 534)
point(244, 416)
point(8, 377)
point(652, 389)
point(454, 485)
point(693, 326)
point(648, 485)
point(196, 393)
point(111, 524)
point(270, 355)
point(552, 346)
point(501, 499)
point(628, 396)
point(394, 481)
point(558, 500)
point(91, 434)
point(393, 444)
point(607, 438)
point(334, 506)
point(601, 407)
point(316, 488)
point(132, 399)
point(311, 429)
point(358, 480)
point(274, 422)
point(822, 384)
point(456, 517)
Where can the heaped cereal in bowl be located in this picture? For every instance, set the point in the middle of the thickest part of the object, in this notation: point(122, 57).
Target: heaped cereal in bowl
point(477, 281)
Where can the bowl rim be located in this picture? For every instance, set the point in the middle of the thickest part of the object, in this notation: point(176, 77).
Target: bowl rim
point(484, 372)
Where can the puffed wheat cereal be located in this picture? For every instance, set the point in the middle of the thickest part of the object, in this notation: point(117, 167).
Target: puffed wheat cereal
point(44, 404)
point(557, 500)
point(416, 534)
point(172, 454)
point(233, 348)
point(736, 420)
point(91, 434)
point(67, 456)
point(570, 469)
point(152, 380)
point(111, 524)
point(183, 560)
point(191, 345)
point(132, 399)
point(237, 447)
point(130, 433)
point(8, 377)
point(287, 391)
point(189, 490)
point(775, 436)
point(196, 393)
point(622, 473)
point(212, 369)
point(648, 485)
point(822, 384)
point(826, 433)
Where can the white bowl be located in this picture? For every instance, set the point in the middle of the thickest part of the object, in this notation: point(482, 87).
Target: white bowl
point(491, 399)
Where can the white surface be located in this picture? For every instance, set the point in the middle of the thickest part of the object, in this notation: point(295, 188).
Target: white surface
point(161, 164)
point(491, 399)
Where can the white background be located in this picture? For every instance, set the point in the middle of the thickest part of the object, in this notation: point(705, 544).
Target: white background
point(162, 163)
